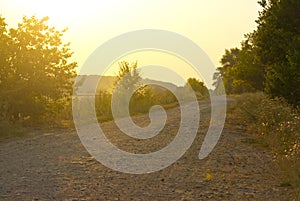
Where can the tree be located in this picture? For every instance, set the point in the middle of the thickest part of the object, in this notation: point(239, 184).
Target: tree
point(129, 82)
point(36, 78)
point(240, 70)
point(228, 61)
point(197, 86)
point(248, 74)
point(5, 71)
point(128, 77)
point(277, 41)
point(269, 59)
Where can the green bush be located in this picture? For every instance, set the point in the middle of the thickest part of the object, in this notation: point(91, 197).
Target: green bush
point(278, 124)
point(141, 101)
point(103, 106)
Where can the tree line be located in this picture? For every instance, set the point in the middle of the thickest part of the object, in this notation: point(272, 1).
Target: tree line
point(129, 80)
point(269, 57)
point(37, 76)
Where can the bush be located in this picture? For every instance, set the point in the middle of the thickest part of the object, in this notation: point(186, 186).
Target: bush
point(103, 106)
point(141, 101)
point(278, 124)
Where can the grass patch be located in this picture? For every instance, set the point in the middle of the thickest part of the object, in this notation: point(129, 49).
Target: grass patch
point(105, 118)
point(170, 105)
point(109, 117)
point(274, 124)
point(8, 130)
point(285, 183)
point(255, 141)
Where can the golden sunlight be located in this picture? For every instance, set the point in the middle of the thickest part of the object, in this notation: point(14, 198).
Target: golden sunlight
point(148, 58)
point(63, 13)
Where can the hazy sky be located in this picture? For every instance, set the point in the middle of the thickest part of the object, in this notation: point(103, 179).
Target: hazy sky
point(213, 24)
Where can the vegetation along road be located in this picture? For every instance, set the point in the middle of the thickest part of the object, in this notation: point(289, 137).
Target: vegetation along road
point(55, 166)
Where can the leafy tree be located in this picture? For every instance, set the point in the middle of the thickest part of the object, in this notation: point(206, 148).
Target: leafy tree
point(277, 41)
point(240, 71)
point(5, 71)
point(36, 75)
point(197, 86)
point(269, 59)
point(129, 82)
point(143, 96)
point(128, 77)
point(248, 74)
point(228, 61)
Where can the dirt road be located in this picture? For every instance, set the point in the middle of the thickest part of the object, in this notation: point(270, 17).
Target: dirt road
point(54, 165)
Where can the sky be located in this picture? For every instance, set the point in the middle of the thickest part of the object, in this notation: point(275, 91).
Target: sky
point(213, 25)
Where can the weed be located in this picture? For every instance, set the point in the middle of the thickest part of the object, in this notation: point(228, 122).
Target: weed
point(275, 123)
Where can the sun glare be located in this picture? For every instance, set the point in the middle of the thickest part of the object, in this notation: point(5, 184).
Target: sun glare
point(149, 59)
point(63, 13)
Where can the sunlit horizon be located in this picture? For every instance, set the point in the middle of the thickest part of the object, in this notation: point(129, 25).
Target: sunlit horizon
point(213, 25)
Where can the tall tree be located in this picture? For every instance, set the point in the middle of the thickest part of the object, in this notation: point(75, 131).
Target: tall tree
point(248, 74)
point(129, 82)
point(39, 71)
point(269, 59)
point(5, 70)
point(128, 77)
point(228, 62)
point(277, 41)
point(240, 71)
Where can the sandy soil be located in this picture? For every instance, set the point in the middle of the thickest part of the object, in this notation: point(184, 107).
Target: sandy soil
point(54, 165)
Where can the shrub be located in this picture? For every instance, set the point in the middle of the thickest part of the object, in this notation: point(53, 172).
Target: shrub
point(278, 124)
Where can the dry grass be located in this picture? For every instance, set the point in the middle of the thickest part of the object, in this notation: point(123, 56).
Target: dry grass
point(277, 125)
point(7, 130)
